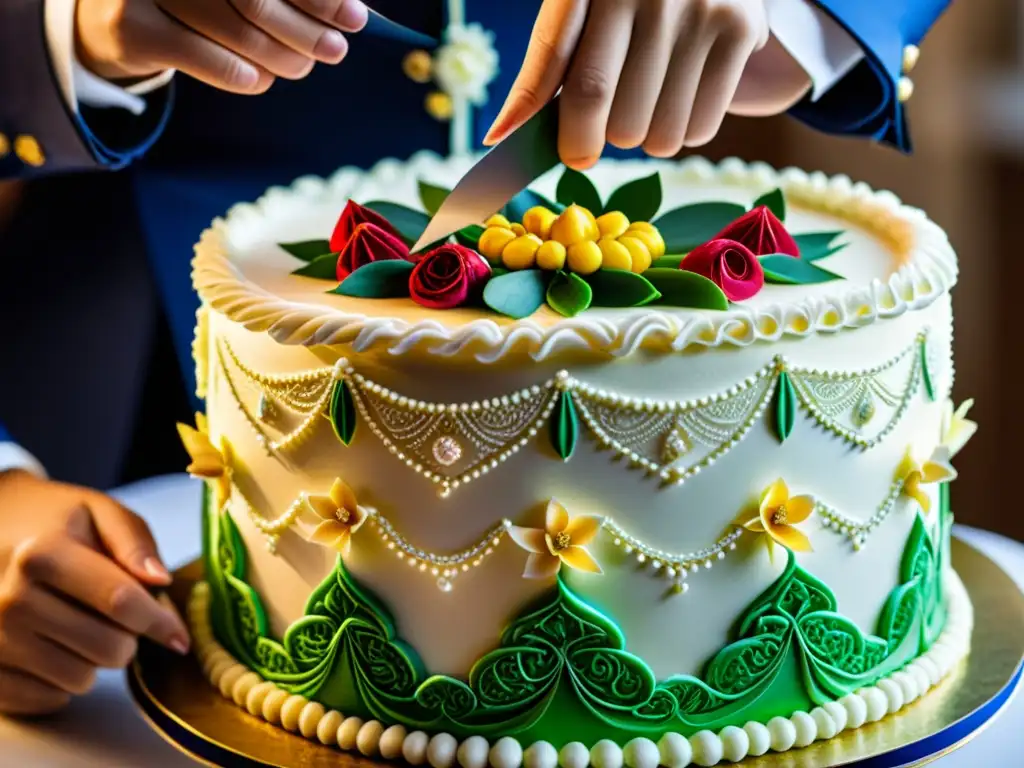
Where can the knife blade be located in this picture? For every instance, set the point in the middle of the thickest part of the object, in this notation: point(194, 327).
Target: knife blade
point(507, 169)
point(380, 25)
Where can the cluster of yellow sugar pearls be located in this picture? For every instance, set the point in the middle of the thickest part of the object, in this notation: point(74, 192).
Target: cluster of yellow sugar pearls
point(573, 239)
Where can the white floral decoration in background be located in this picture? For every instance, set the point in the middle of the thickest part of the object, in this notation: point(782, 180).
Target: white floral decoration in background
point(467, 63)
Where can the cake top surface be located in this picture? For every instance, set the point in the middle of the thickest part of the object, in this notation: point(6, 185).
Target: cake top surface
point(892, 259)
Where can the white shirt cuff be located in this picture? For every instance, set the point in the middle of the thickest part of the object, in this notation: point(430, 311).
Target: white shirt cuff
point(817, 42)
point(76, 83)
point(13, 456)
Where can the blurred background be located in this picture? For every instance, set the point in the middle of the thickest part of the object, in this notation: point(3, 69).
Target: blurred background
point(967, 172)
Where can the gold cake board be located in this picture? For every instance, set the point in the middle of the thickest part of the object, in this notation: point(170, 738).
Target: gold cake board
point(177, 700)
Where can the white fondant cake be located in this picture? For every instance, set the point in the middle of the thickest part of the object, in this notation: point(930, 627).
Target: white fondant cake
point(450, 428)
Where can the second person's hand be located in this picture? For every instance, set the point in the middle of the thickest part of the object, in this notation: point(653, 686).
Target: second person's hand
point(660, 74)
point(235, 45)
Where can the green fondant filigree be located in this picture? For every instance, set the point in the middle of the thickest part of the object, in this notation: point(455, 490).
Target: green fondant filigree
point(561, 670)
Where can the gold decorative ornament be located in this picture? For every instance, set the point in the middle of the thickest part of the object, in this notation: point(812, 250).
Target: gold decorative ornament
point(904, 89)
point(439, 105)
point(5, 145)
point(29, 151)
point(911, 54)
point(417, 66)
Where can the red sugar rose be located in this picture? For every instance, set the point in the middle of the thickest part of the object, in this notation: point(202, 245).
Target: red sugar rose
point(369, 243)
point(761, 232)
point(354, 215)
point(729, 265)
point(448, 276)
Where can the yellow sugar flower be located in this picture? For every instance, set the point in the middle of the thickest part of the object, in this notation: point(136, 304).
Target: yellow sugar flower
point(208, 463)
point(957, 429)
point(914, 475)
point(340, 516)
point(778, 514)
point(561, 540)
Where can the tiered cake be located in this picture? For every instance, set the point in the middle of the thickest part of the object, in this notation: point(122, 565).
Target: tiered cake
point(559, 495)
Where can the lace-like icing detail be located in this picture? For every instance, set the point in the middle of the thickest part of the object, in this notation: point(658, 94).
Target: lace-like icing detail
point(452, 444)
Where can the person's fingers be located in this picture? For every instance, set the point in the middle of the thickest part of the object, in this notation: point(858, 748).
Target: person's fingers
point(650, 51)
point(25, 695)
point(20, 649)
point(667, 130)
point(772, 83)
point(128, 539)
point(590, 84)
point(347, 15)
point(721, 76)
point(59, 564)
point(174, 45)
point(218, 22)
point(88, 636)
point(300, 32)
point(555, 35)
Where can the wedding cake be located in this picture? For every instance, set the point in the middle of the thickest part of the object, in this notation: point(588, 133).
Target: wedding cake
point(649, 467)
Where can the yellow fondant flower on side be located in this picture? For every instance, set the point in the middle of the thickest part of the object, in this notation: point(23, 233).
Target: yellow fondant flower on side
point(208, 463)
point(340, 516)
point(778, 513)
point(914, 475)
point(562, 540)
point(957, 429)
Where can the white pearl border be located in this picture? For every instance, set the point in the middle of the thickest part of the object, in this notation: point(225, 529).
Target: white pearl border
point(373, 739)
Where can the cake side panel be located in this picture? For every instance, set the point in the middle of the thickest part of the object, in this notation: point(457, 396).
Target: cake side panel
point(450, 631)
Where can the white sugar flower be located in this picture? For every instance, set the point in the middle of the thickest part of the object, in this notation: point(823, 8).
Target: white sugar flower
point(466, 63)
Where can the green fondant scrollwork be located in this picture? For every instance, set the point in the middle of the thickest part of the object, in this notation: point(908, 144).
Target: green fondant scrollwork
point(561, 670)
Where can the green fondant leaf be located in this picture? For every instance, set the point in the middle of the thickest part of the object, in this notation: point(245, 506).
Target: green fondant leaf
point(575, 187)
point(307, 250)
point(323, 267)
point(524, 201)
point(785, 407)
point(469, 236)
point(343, 412)
point(926, 374)
point(666, 262)
point(782, 269)
point(817, 245)
point(639, 200)
point(679, 288)
point(516, 294)
point(568, 294)
point(409, 222)
point(432, 196)
point(388, 279)
point(565, 427)
point(683, 229)
point(775, 201)
point(621, 288)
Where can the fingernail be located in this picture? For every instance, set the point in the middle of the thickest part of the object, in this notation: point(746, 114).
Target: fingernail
point(352, 16)
point(331, 46)
point(178, 645)
point(248, 75)
point(156, 569)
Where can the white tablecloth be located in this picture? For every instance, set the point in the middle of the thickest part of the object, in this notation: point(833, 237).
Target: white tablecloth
point(103, 728)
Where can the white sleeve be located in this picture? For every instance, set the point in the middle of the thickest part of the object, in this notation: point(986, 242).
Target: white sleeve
point(13, 456)
point(77, 84)
point(817, 42)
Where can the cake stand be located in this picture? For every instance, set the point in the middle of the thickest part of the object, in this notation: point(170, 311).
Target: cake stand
point(176, 699)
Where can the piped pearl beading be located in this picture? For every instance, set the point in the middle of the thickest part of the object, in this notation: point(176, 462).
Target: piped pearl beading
point(858, 530)
point(372, 738)
point(671, 565)
point(446, 484)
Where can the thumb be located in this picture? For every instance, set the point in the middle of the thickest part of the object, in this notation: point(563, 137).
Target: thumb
point(554, 38)
point(128, 539)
